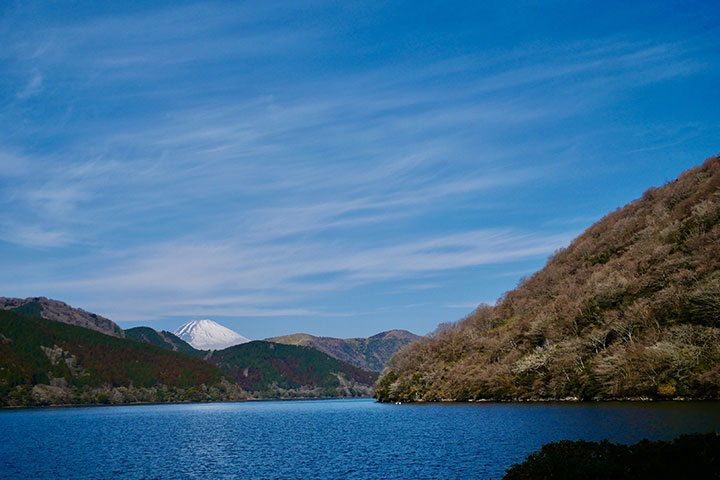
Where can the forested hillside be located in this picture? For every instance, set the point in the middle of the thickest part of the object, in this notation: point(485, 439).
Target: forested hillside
point(45, 362)
point(630, 309)
point(273, 370)
point(163, 339)
point(268, 370)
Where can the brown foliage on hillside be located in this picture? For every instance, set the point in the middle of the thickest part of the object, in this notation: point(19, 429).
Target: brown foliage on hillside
point(371, 353)
point(630, 309)
point(61, 312)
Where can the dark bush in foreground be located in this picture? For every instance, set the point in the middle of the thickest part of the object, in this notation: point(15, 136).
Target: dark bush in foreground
point(694, 456)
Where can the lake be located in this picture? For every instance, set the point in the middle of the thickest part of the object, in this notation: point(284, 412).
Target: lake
point(319, 439)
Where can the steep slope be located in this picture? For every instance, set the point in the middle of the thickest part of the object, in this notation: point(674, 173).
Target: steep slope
point(630, 309)
point(163, 339)
point(271, 370)
point(61, 312)
point(44, 362)
point(209, 335)
point(367, 353)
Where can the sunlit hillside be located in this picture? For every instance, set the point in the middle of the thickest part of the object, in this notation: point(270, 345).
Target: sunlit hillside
point(630, 309)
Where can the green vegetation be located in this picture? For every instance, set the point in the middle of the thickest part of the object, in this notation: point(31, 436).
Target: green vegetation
point(164, 339)
point(272, 370)
point(30, 309)
point(630, 309)
point(688, 456)
point(47, 362)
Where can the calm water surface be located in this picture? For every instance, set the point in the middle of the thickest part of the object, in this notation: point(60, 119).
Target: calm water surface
point(318, 439)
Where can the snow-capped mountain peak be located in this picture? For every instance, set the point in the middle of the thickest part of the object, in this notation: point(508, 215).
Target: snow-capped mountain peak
point(209, 335)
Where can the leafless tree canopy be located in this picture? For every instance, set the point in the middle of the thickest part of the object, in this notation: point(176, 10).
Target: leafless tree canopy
point(630, 309)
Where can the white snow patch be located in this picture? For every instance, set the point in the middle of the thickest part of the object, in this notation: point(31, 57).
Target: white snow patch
point(209, 335)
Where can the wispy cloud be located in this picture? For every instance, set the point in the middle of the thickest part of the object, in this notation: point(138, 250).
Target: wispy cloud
point(237, 160)
point(32, 87)
point(34, 236)
point(243, 280)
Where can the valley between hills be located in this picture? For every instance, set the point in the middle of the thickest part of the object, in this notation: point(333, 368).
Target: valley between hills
point(54, 354)
point(630, 309)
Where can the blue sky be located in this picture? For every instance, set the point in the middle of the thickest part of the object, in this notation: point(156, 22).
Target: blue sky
point(331, 169)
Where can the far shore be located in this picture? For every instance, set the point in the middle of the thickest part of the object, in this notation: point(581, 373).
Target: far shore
point(132, 404)
point(565, 400)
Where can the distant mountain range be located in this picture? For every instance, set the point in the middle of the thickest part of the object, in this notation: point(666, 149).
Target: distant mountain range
point(371, 353)
point(268, 370)
point(54, 354)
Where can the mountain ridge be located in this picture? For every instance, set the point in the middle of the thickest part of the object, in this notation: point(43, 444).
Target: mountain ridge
point(371, 353)
point(59, 311)
point(163, 339)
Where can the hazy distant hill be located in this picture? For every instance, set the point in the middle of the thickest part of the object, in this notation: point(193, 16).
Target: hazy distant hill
point(61, 312)
point(268, 370)
point(368, 353)
point(45, 362)
point(631, 308)
point(163, 339)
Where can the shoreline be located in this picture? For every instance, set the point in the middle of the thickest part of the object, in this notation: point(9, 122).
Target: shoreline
point(565, 400)
point(133, 404)
point(555, 400)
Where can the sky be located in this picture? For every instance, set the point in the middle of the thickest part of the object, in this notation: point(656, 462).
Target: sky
point(334, 168)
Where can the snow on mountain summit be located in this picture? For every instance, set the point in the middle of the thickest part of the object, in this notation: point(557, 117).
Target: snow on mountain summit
point(209, 335)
